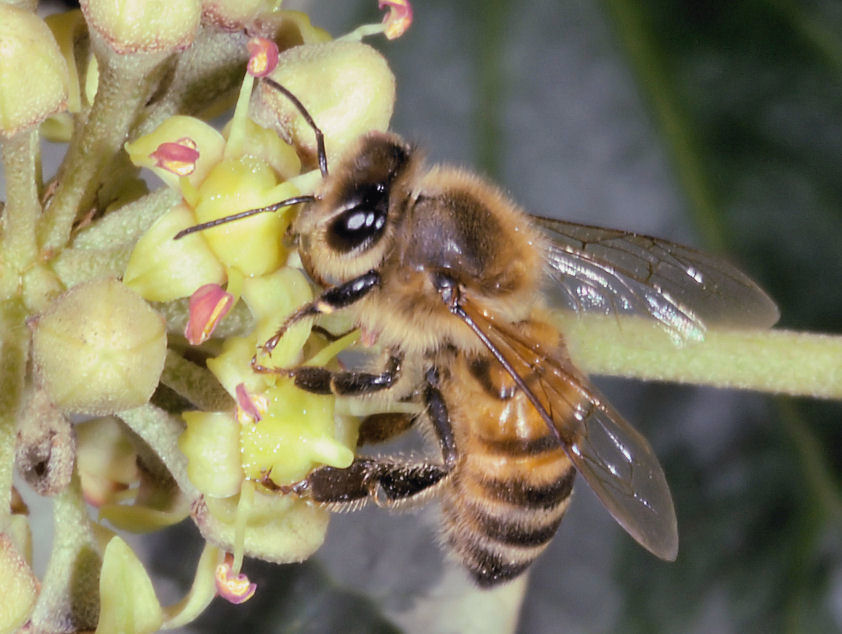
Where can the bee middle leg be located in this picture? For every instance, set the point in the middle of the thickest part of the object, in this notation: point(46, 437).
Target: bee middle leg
point(319, 380)
point(389, 482)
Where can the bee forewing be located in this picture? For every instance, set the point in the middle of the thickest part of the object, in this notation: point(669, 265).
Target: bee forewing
point(592, 269)
point(619, 465)
point(616, 461)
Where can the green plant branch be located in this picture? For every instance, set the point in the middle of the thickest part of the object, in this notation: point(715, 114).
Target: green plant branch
point(198, 385)
point(776, 361)
point(817, 472)
point(160, 431)
point(74, 266)
point(125, 82)
point(22, 170)
point(676, 128)
point(127, 224)
point(69, 598)
point(208, 73)
point(14, 352)
point(825, 41)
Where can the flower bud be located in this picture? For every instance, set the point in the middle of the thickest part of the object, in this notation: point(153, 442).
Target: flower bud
point(100, 348)
point(279, 528)
point(233, 14)
point(107, 462)
point(347, 87)
point(144, 26)
point(20, 587)
point(33, 74)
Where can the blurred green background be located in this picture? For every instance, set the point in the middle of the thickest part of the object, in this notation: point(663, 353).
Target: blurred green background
point(715, 123)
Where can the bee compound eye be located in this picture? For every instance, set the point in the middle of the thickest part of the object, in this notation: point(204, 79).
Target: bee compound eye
point(359, 225)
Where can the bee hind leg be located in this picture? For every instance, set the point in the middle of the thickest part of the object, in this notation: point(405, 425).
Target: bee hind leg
point(378, 428)
point(389, 483)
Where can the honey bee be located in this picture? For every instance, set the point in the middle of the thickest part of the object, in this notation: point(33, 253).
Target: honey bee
point(451, 278)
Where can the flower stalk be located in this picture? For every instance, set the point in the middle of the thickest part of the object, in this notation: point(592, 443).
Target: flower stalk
point(21, 166)
point(14, 350)
point(775, 361)
point(125, 83)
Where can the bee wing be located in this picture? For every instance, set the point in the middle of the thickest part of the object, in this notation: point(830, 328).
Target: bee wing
point(610, 271)
point(616, 461)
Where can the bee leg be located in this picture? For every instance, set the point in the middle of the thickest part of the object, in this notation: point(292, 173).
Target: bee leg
point(378, 428)
point(437, 412)
point(320, 380)
point(388, 482)
point(329, 301)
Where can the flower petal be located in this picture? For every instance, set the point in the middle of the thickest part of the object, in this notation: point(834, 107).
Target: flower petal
point(398, 19)
point(178, 157)
point(263, 56)
point(234, 588)
point(208, 305)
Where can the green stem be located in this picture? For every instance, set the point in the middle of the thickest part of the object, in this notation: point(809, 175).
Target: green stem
point(69, 599)
point(126, 224)
point(492, 18)
point(676, 128)
point(818, 473)
point(826, 41)
point(22, 169)
point(161, 431)
point(207, 74)
point(777, 361)
point(195, 383)
point(124, 85)
point(14, 351)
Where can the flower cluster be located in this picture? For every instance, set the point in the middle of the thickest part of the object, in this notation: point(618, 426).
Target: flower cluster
point(129, 357)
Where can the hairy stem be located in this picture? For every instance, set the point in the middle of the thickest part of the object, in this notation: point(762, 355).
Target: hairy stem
point(69, 599)
point(767, 360)
point(22, 170)
point(14, 351)
point(160, 431)
point(125, 83)
point(195, 383)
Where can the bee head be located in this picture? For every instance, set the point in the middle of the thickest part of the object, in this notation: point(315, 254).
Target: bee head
point(349, 229)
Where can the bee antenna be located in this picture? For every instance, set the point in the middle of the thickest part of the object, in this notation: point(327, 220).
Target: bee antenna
point(295, 200)
point(320, 138)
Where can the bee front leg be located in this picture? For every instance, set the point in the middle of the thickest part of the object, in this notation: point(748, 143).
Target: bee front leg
point(331, 300)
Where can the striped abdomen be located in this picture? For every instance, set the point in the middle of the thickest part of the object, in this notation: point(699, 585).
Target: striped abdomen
point(507, 495)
